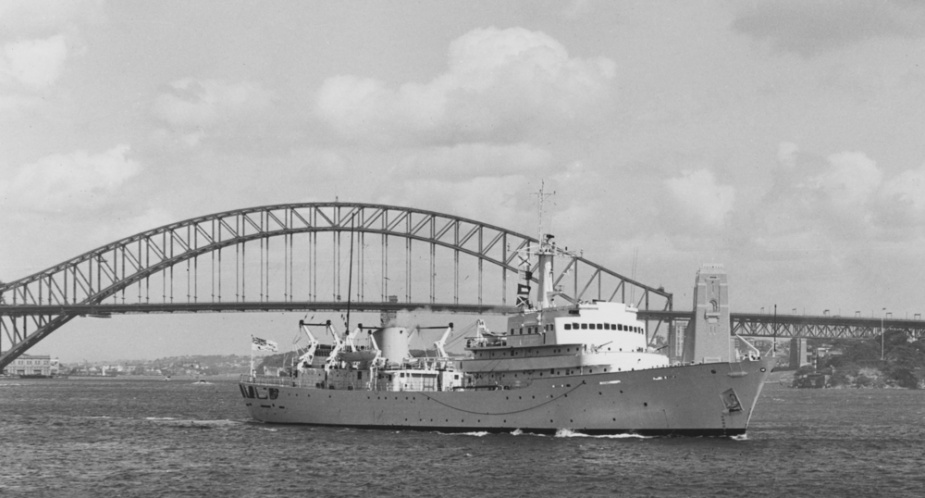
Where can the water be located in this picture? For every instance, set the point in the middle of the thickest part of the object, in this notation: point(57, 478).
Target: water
point(119, 437)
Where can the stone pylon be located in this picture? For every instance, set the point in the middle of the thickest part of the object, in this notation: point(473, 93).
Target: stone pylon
point(708, 336)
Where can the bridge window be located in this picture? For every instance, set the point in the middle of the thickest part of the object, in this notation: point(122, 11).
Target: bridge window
point(600, 326)
point(568, 326)
point(584, 326)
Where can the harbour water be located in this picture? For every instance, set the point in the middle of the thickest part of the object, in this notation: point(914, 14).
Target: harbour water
point(124, 437)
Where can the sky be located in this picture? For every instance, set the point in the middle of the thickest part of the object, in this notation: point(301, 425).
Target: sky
point(784, 139)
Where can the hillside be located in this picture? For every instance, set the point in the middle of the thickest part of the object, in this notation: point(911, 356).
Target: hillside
point(857, 363)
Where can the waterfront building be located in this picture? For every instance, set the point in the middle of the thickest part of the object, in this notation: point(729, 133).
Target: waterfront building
point(41, 364)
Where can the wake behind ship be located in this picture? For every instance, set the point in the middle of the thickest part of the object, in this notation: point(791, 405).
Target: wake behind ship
point(582, 366)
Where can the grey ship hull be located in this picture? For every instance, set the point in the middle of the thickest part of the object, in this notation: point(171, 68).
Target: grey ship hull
point(689, 400)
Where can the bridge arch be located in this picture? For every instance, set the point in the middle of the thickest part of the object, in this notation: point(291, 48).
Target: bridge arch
point(225, 262)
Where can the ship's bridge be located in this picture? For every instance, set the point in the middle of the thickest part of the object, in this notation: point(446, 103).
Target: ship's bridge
point(595, 323)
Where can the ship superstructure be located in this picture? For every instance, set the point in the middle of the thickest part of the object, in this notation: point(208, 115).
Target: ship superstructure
point(581, 366)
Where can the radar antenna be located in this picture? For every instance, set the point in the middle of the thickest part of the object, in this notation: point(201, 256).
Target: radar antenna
point(541, 198)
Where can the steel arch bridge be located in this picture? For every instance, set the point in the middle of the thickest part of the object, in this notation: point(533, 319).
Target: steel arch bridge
point(324, 256)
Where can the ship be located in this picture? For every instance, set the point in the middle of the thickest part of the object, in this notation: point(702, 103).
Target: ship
point(580, 367)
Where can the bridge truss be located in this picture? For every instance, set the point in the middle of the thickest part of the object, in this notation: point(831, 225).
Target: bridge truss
point(820, 327)
point(322, 256)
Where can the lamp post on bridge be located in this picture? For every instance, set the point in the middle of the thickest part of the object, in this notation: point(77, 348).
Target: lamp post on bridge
point(774, 332)
point(882, 333)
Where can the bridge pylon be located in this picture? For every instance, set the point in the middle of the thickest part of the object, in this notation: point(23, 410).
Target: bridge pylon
point(707, 339)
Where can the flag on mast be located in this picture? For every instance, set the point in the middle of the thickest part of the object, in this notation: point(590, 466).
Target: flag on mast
point(258, 344)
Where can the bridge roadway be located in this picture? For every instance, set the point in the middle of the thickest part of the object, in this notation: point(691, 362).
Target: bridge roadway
point(744, 324)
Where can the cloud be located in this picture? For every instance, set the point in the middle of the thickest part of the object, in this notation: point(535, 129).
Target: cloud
point(194, 109)
point(37, 38)
point(500, 85)
point(699, 199)
point(846, 185)
point(464, 161)
point(842, 196)
point(35, 63)
point(16, 105)
point(812, 27)
point(40, 18)
point(818, 196)
point(577, 9)
point(79, 181)
point(901, 203)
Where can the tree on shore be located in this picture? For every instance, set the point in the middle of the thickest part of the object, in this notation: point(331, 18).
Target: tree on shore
point(860, 364)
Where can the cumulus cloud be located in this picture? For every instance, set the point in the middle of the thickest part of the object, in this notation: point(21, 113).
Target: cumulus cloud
point(34, 63)
point(39, 18)
point(196, 108)
point(842, 196)
point(901, 202)
point(79, 180)
point(811, 27)
point(847, 184)
point(500, 85)
point(14, 105)
point(577, 9)
point(699, 198)
point(465, 161)
point(819, 195)
point(37, 38)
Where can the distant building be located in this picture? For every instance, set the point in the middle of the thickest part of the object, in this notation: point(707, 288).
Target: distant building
point(41, 364)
